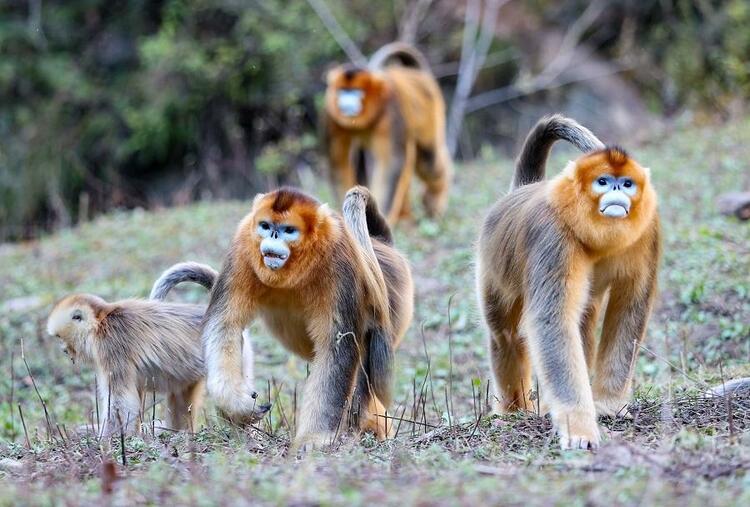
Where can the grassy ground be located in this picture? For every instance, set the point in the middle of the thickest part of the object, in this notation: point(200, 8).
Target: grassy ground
point(680, 448)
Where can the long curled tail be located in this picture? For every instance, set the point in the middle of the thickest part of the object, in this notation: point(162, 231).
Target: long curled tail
point(399, 53)
point(363, 218)
point(531, 163)
point(183, 272)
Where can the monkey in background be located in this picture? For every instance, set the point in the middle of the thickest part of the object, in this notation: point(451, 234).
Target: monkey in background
point(332, 289)
point(393, 111)
point(137, 346)
point(549, 253)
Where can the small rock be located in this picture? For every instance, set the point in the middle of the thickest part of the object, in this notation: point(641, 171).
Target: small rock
point(10, 465)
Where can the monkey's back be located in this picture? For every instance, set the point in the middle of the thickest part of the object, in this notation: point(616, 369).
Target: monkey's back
point(421, 103)
point(161, 339)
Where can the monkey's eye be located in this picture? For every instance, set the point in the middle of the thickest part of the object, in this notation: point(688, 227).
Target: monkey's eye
point(289, 229)
point(627, 183)
point(265, 226)
point(602, 181)
point(78, 316)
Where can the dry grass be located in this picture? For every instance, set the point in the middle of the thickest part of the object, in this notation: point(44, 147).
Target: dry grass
point(678, 448)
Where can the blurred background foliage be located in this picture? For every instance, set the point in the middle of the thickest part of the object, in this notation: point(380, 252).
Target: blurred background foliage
point(107, 104)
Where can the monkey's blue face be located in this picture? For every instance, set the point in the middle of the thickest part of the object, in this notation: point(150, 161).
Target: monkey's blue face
point(275, 244)
point(349, 101)
point(615, 194)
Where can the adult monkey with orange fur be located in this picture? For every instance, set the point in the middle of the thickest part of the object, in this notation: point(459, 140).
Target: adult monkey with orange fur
point(331, 289)
point(393, 111)
point(549, 253)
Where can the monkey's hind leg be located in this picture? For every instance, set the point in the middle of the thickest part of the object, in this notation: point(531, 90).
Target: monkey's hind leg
point(374, 388)
point(328, 391)
point(184, 406)
point(509, 359)
point(195, 395)
point(343, 172)
point(176, 410)
point(367, 412)
point(392, 175)
point(435, 169)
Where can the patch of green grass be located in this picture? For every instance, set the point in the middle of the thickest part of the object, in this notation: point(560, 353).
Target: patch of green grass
point(681, 452)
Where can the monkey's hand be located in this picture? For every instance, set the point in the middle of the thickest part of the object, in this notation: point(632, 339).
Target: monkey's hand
point(577, 430)
point(237, 402)
point(246, 419)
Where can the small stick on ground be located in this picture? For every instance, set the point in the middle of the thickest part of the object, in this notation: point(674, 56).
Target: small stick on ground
point(12, 392)
point(23, 423)
point(41, 400)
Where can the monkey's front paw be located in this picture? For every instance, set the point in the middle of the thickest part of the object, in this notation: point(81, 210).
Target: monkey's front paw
point(246, 418)
point(577, 431)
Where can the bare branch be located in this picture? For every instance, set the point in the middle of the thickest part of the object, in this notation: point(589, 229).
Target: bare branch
point(547, 79)
point(338, 33)
point(473, 54)
point(514, 91)
point(570, 41)
point(447, 69)
point(414, 14)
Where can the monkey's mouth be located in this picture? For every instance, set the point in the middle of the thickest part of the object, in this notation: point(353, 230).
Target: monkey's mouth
point(71, 353)
point(614, 211)
point(274, 260)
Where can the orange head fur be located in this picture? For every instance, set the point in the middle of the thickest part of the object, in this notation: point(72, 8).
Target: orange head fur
point(367, 93)
point(585, 188)
point(286, 209)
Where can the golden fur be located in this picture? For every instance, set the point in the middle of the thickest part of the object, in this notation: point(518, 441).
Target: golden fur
point(401, 124)
point(547, 260)
point(331, 303)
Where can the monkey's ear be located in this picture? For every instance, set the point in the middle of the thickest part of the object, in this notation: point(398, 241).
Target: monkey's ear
point(323, 211)
point(647, 171)
point(257, 199)
point(101, 312)
point(570, 170)
point(332, 74)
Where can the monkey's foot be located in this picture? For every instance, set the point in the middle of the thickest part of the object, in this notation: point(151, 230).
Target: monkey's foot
point(435, 204)
point(381, 427)
point(515, 403)
point(612, 406)
point(577, 430)
point(307, 442)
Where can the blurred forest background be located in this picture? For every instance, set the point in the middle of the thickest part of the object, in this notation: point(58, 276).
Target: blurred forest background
point(108, 104)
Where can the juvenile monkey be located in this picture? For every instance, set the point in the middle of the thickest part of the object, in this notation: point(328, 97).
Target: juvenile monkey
point(549, 253)
point(137, 346)
point(392, 110)
point(331, 289)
